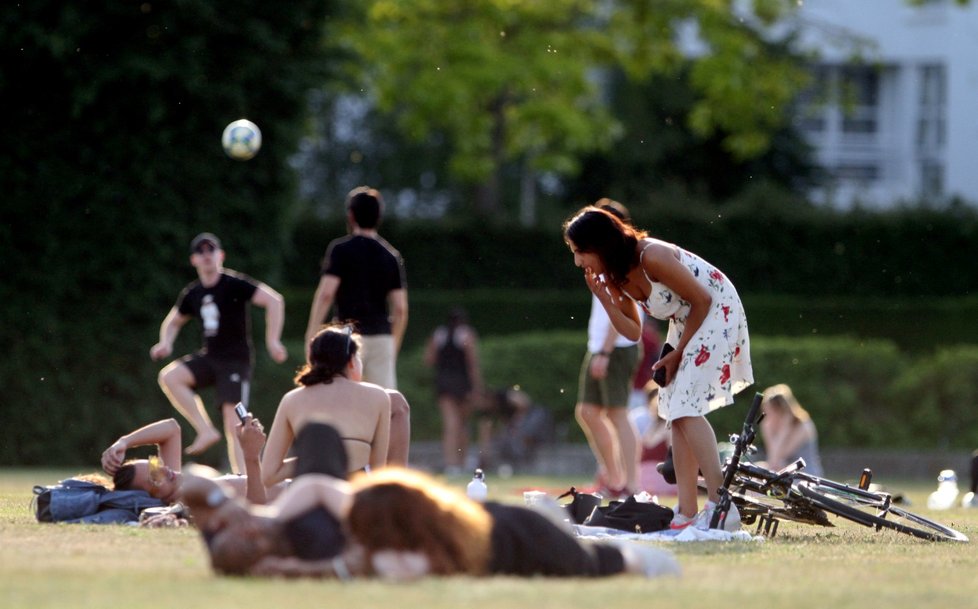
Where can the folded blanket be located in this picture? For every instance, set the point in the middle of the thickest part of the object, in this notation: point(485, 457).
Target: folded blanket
point(687, 534)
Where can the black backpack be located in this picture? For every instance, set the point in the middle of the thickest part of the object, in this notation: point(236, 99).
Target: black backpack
point(632, 516)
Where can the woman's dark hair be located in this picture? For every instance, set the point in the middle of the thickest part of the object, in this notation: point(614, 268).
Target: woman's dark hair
point(595, 231)
point(123, 477)
point(329, 353)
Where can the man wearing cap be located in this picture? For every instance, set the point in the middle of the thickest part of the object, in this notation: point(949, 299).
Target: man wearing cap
point(220, 299)
point(363, 276)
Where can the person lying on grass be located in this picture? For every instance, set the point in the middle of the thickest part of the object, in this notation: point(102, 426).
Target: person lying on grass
point(160, 475)
point(397, 524)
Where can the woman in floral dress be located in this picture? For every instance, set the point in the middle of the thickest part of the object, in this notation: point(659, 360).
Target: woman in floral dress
point(625, 269)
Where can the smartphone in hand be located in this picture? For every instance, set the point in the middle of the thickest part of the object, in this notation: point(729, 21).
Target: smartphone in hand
point(659, 376)
point(241, 411)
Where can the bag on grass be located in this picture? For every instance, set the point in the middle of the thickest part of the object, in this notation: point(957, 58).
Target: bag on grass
point(81, 501)
point(632, 516)
point(581, 505)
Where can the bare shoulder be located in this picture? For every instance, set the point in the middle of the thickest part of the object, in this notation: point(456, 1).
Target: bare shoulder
point(657, 249)
point(291, 397)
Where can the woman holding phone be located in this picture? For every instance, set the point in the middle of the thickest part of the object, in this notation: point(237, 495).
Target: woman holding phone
point(710, 362)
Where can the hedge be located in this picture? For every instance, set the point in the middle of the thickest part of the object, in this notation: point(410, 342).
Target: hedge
point(861, 393)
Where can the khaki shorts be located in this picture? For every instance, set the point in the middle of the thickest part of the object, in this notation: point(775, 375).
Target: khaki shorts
point(616, 387)
point(379, 361)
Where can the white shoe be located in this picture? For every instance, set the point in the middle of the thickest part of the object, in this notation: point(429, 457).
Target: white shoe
point(730, 524)
point(680, 522)
point(970, 500)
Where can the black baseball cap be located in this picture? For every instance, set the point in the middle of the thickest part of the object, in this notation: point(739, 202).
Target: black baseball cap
point(203, 238)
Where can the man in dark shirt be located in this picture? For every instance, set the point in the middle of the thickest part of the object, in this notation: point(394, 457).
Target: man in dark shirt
point(220, 300)
point(363, 279)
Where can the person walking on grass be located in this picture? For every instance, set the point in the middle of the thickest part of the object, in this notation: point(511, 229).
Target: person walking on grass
point(363, 279)
point(453, 351)
point(625, 269)
point(220, 298)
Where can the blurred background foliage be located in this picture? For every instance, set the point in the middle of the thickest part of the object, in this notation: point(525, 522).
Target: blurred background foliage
point(485, 124)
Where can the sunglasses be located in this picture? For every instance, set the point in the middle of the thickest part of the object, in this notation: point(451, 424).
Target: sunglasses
point(157, 474)
point(205, 248)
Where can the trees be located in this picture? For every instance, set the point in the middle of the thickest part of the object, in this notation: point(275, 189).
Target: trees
point(111, 161)
point(521, 82)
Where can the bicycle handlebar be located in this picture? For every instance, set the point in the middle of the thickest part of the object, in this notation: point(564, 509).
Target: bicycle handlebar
point(755, 408)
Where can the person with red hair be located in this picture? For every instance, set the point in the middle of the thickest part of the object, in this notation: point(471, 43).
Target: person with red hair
point(399, 524)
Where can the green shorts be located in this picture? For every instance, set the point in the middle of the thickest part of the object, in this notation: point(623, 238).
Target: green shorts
point(616, 387)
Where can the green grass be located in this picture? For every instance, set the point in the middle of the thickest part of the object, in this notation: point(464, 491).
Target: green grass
point(61, 566)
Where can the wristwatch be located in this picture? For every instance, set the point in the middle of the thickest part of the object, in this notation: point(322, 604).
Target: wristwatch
point(215, 498)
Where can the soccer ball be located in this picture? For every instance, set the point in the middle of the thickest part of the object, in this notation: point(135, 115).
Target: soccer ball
point(241, 139)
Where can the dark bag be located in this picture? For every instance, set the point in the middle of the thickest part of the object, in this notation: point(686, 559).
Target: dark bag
point(632, 516)
point(80, 501)
point(581, 505)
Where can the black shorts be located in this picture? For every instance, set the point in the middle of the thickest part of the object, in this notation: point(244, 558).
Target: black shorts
point(230, 378)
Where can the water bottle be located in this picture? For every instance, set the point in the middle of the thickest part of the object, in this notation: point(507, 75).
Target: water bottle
point(947, 491)
point(477, 490)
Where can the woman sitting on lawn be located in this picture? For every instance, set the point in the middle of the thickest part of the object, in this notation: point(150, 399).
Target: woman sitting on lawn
point(330, 391)
point(788, 430)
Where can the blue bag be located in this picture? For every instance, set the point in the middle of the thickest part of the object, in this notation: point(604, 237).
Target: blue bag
point(80, 501)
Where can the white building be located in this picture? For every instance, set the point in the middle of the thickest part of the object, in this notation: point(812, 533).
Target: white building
point(902, 123)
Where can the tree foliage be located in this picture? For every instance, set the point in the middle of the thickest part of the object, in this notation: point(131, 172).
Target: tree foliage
point(519, 81)
point(111, 163)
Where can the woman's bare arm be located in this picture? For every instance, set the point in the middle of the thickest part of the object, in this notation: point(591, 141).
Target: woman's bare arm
point(165, 434)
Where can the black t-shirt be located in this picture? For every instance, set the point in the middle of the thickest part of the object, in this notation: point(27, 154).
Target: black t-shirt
point(368, 269)
point(224, 312)
point(525, 542)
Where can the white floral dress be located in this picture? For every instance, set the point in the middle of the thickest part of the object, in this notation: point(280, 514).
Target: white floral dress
point(716, 363)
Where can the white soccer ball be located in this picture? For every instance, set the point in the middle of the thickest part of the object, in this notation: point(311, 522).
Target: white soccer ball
point(241, 139)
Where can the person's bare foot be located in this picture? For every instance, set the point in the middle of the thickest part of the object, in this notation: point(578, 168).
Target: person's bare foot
point(203, 441)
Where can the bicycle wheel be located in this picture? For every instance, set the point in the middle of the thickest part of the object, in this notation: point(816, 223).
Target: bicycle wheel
point(873, 510)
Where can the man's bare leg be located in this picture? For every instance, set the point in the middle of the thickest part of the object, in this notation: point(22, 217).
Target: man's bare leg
point(177, 382)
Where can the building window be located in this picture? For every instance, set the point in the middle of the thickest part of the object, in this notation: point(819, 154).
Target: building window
point(841, 100)
point(839, 115)
point(859, 98)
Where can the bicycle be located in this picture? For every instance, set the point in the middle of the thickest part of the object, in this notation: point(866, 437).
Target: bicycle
point(768, 497)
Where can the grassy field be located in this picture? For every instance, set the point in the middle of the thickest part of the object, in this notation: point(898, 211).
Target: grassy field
point(61, 566)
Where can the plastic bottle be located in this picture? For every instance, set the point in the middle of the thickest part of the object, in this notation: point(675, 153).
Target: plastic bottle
point(947, 491)
point(477, 489)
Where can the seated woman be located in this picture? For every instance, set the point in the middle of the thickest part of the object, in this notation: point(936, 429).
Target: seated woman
point(401, 524)
point(161, 476)
point(330, 391)
point(788, 430)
